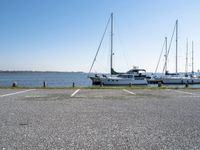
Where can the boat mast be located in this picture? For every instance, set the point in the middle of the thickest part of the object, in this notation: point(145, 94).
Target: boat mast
point(99, 46)
point(192, 58)
point(111, 48)
point(166, 53)
point(186, 65)
point(176, 46)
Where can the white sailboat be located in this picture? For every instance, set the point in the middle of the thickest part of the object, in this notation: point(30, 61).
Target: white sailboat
point(175, 78)
point(134, 76)
point(172, 78)
point(184, 78)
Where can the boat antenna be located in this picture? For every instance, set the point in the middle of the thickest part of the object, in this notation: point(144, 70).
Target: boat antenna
point(99, 45)
point(111, 48)
point(177, 46)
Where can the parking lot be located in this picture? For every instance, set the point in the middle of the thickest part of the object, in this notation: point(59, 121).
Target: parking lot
point(99, 119)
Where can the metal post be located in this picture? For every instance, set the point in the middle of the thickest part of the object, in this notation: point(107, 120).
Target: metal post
point(159, 84)
point(111, 40)
point(186, 84)
point(101, 84)
point(44, 84)
point(166, 53)
point(130, 84)
point(192, 58)
point(186, 65)
point(14, 84)
point(176, 46)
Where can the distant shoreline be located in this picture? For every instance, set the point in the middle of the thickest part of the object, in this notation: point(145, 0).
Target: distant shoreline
point(8, 71)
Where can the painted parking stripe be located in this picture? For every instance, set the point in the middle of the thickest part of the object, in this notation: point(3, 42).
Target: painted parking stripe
point(127, 91)
point(183, 92)
point(10, 94)
point(73, 94)
point(191, 96)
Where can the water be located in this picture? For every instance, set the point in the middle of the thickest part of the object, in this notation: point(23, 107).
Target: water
point(36, 79)
point(52, 79)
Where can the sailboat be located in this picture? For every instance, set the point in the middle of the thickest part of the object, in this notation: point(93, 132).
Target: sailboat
point(176, 78)
point(183, 78)
point(134, 76)
point(166, 77)
point(193, 78)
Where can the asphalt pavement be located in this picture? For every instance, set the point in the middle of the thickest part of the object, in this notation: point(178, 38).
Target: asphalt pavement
point(108, 119)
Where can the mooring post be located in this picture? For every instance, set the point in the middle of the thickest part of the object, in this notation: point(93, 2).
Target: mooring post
point(159, 84)
point(130, 84)
point(14, 84)
point(44, 84)
point(186, 84)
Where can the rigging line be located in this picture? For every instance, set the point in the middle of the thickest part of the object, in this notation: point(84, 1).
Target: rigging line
point(192, 58)
point(100, 64)
point(169, 47)
point(107, 67)
point(99, 45)
point(124, 48)
point(160, 57)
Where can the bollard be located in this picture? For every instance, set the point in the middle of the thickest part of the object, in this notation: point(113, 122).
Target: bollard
point(14, 84)
point(130, 85)
point(159, 84)
point(73, 84)
point(44, 84)
point(186, 85)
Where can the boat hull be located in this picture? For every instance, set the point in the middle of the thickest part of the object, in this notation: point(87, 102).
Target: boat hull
point(117, 82)
point(181, 81)
point(175, 80)
point(95, 80)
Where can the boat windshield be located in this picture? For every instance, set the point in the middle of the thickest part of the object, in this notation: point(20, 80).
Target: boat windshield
point(137, 71)
point(125, 76)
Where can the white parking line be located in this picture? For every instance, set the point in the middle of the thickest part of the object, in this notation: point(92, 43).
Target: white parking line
point(191, 96)
point(10, 94)
point(183, 92)
point(127, 91)
point(73, 94)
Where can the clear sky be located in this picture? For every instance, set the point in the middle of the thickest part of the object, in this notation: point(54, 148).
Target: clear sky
point(63, 35)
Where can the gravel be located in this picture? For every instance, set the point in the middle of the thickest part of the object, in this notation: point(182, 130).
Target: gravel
point(100, 119)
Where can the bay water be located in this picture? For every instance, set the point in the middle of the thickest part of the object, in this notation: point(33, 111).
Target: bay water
point(36, 79)
point(52, 79)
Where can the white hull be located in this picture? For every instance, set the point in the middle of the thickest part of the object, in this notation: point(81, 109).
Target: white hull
point(122, 81)
point(180, 80)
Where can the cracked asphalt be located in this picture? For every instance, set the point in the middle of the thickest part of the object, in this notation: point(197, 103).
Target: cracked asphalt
point(107, 119)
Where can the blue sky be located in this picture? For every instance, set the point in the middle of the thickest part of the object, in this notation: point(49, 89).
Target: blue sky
point(63, 35)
